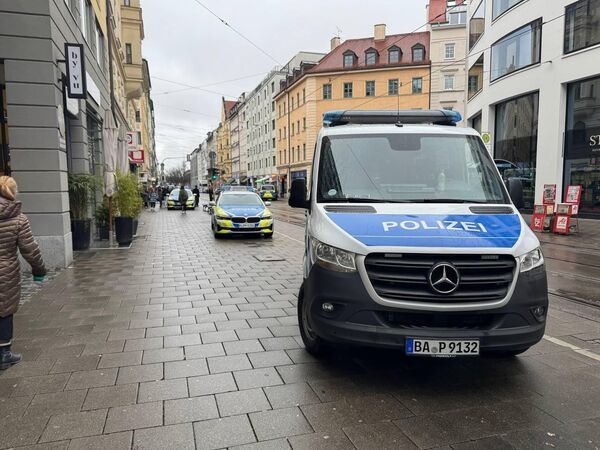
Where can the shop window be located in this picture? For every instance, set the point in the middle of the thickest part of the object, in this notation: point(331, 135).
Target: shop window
point(582, 143)
point(475, 78)
point(515, 141)
point(477, 24)
point(520, 49)
point(582, 25)
point(499, 7)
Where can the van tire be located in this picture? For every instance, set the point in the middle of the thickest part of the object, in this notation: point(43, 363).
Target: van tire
point(314, 345)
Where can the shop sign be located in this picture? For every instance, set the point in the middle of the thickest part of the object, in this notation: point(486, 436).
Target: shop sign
point(131, 140)
point(76, 75)
point(582, 144)
point(573, 197)
point(538, 219)
point(561, 224)
point(549, 194)
point(136, 156)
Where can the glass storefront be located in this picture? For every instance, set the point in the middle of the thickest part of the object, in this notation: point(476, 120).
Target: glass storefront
point(515, 142)
point(582, 143)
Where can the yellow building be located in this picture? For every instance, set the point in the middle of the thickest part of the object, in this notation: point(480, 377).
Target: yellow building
point(224, 141)
point(379, 72)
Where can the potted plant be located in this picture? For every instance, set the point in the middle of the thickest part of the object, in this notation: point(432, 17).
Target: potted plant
point(81, 189)
point(102, 221)
point(128, 204)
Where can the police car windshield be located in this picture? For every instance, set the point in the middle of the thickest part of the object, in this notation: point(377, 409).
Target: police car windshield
point(268, 187)
point(431, 168)
point(240, 200)
point(175, 194)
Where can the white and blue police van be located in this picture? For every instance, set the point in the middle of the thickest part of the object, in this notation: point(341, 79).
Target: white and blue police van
point(414, 242)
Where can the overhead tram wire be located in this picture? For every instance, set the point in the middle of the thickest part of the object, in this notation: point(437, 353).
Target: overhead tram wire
point(224, 22)
point(201, 87)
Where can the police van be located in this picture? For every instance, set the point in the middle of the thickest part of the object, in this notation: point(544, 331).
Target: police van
point(414, 242)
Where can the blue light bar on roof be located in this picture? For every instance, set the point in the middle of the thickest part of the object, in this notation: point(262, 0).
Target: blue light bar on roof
point(402, 117)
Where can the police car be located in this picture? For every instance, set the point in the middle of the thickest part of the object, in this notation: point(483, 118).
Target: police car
point(413, 241)
point(241, 212)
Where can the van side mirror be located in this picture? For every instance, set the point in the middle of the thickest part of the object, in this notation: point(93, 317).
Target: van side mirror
point(515, 190)
point(298, 194)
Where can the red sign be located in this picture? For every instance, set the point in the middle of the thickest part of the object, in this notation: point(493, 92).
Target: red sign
point(561, 224)
point(136, 156)
point(573, 197)
point(549, 197)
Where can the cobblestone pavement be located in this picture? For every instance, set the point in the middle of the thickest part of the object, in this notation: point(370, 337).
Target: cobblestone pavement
point(184, 342)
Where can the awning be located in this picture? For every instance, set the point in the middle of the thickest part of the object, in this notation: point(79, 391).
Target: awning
point(243, 179)
point(264, 180)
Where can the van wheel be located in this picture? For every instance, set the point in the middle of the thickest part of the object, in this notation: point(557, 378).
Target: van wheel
point(314, 344)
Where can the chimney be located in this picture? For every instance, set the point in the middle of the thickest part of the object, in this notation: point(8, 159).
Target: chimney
point(335, 42)
point(379, 32)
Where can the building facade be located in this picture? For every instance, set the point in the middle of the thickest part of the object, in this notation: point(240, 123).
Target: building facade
point(223, 141)
point(448, 50)
point(236, 130)
point(378, 72)
point(534, 84)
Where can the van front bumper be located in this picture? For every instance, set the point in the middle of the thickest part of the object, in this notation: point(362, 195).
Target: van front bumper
point(357, 319)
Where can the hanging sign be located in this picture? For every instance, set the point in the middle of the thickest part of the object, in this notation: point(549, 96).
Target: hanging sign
point(573, 197)
point(131, 140)
point(76, 76)
point(549, 194)
point(136, 157)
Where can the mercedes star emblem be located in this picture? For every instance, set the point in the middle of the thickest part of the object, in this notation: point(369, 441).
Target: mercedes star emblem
point(444, 278)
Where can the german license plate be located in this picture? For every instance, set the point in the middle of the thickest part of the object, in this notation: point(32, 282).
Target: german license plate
point(442, 347)
point(247, 225)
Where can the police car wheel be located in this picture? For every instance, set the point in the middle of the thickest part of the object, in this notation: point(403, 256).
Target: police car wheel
point(313, 343)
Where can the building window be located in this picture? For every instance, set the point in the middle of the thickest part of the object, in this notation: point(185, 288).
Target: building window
point(327, 92)
point(393, 55)
point(500, 6)
point(273, 106)
point(273, 125)
point(304, 152)
point(293, 128)
point(417, 85)
point(475, 79)
point(83, 14)
point(477, 24)
point(127, 2)
point(280, 134)
point(138, 117)
point(303, 96)
point(99, 46)
point(449, 51)
point(273, 143)
point(370, 88)
point(393, 87)
point(582, 25)
point(448, 82)
point(128, 54)
point(519, 49)
point(304, 123)
point(457, 18)
point(515, 140)
point(272, 87)
point(349, 59)
point(347, 90)
point(274, 162)
point(298, 99)
point(418, 53)
point(371, 57)
point(298, 159)
point(285, 132)
point(292, 103)
point(298, 126)
point(475, 123)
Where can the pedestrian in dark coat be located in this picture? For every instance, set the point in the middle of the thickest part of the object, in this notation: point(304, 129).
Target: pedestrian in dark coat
point(15, 237)
point(196, 193)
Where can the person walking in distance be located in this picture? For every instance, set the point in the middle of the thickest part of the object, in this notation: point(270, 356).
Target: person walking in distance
point(210, 193)
point(196, 193)
point(153, 198)
point(183, 198)
point(15, 237)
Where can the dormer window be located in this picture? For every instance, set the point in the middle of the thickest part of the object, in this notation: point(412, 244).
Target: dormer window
point(394, 55)
point(349, 59)
point(418, 53)
point(371, 57)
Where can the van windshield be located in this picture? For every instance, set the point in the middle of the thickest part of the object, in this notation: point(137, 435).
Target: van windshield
point(419, 168)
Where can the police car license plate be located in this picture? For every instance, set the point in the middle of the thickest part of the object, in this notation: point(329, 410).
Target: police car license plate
point(436, 347)
point(247, 225)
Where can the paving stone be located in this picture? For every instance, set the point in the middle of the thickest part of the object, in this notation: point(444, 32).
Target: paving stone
point(219, 336)
point(182, 340)
point(245, 346)
point(143, 344)
point(279, 423)
point(377, 436)
point(53, 353)
point(62, 445)
point(242, 402)
point(106, 397)
point(288, 395)
point(162, 390)
point(92, 378)
point(46, 405)
point(220, 433)
point(232, 325)
point(190, 409)
point(172, 330)
point(44, 384)
point(198, 328)
point(29, 369)
point(180, 437)
point(13, 407)
point(269, 359)
point(74, 425)
point(132, 417)
point(276, 444)
point(247, 379)
point(117, 334)
point(162, 355)
point(120, 359)
point(100, 348)
point(17, 431)
point(114, 441)
point(331, 440)
point(187, 368)
point(139, 374)
point(211, 384)
point(279, 343)
point(219, 364)
point(204, 351)
point(185, 320)
point(254, 333)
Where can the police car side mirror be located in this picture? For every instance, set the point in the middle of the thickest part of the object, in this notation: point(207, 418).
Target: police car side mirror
point(515, 190)
point(298, 194)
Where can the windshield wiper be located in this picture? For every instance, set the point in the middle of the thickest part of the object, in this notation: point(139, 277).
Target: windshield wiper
point(362, 200)
point(449, 200)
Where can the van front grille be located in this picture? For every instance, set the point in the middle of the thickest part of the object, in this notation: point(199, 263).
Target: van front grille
point(405, 276)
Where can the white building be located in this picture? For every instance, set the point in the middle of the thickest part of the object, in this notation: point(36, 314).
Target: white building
point(259, 113)
point(534, 83)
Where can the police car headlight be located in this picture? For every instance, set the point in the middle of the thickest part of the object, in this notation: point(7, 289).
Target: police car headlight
point(222, 217)
point(532, 260)
point(333, 258)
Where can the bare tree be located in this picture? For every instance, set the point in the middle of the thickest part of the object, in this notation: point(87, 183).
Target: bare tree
point(175, 175)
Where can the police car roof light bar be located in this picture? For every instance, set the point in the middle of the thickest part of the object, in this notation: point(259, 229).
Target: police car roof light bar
point(403, 117)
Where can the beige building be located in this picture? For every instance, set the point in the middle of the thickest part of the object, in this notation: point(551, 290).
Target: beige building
point(448, 51)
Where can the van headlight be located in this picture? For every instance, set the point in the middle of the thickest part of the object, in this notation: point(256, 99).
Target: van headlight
point(531, 260)
point(332, 258)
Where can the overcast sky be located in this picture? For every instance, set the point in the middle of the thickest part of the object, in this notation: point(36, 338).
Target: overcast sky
point(185, 44)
